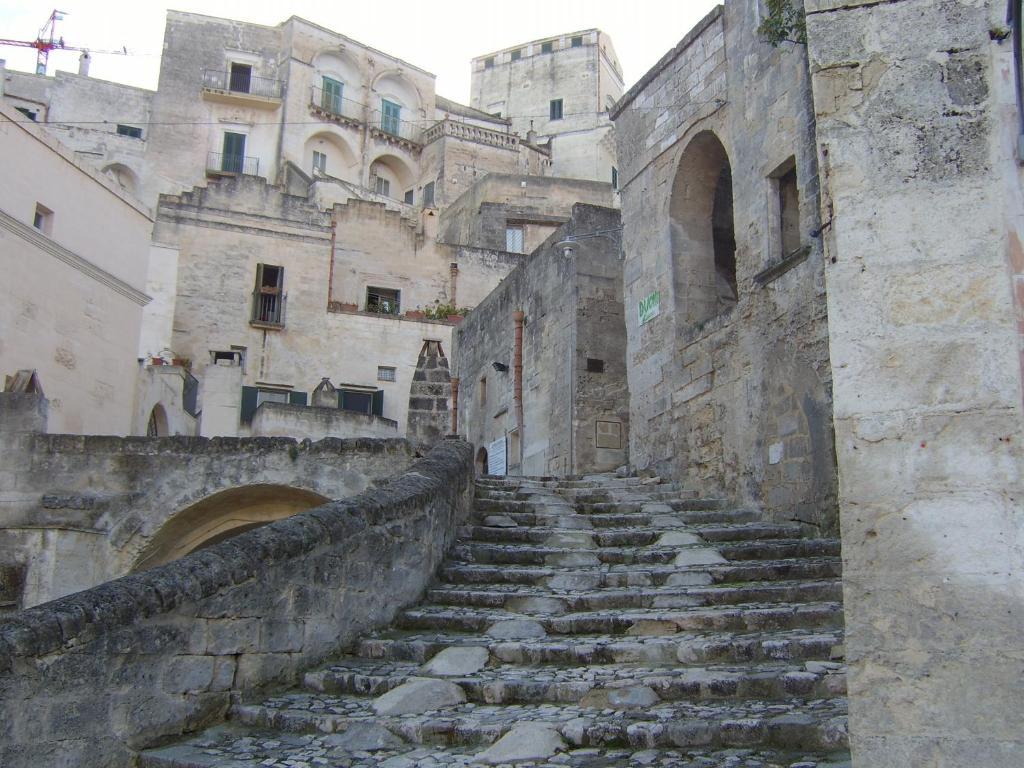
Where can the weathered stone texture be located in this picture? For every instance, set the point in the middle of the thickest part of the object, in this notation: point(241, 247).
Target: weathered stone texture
point(916, 133)
point(733, 400)
point(86, 679)
point(80, 510)
point(573, 312)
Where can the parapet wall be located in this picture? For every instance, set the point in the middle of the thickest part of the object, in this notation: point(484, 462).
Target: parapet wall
point(90, 678)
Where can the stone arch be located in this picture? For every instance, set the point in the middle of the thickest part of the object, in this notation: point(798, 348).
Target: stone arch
point(124, 177)
point(703, 232)
point(343, 67)
point(342, 160)
point(395, 86)
point(221, 516)
point(400, 174)
point(158, 426)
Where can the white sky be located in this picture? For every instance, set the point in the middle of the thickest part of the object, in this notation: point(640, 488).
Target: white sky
point(440, 36)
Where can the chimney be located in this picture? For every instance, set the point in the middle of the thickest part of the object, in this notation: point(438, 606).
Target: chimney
point(83, 63)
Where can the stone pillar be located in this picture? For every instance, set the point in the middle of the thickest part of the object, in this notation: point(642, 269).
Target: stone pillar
point(428, 397)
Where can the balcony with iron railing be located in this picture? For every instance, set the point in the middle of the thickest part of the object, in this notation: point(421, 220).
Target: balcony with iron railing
point(331, 106)
point(241, 87)
point(219, 164)
point(391, 128)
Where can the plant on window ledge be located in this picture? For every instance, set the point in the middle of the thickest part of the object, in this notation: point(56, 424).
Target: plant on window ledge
point(783, 24)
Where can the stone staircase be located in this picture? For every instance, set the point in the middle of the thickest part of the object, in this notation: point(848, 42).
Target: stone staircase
point(598, 622)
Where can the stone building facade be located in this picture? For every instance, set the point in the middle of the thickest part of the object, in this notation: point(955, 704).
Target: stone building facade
point(558, 90)
point(541, 361)
point(867, 287)
point(729, 376)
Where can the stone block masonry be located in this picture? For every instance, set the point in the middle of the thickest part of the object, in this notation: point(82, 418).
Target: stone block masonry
point(92, 677)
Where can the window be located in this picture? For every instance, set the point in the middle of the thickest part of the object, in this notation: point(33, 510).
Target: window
point(43, 219)
point(382, 186)
point(330, 97)
point(483, 390)
point(129, 130)
point(428, 195)
point(233, 158)
point(385, 373)
point(547, 47)
point(514, 239)
point(390, 116)
point(615, 177)
point(489, 62)
point(517, 55)
point(361, 400)
point(409, 197)
point(268, 296)
point(384, 301)
point(240, 78)
point(789, 212)
point(595, 365)
point(577, 42)
point(29, 113)
point(556, 109)
point(319, 163)
point(271, 396)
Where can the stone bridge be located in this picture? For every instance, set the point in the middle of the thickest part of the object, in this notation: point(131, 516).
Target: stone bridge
point(76, 511)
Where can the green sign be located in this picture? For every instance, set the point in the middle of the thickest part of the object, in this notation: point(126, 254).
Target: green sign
point(650, 307)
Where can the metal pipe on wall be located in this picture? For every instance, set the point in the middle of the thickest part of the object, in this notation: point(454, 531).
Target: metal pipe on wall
point(517, 380)
point(455, 405)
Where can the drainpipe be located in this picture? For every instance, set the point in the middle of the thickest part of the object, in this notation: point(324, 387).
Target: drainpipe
point(330, 267)
point(517, 382)
point(453, 269)
point(455, 405)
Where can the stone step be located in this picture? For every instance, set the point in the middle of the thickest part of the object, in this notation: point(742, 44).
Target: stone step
point(637, 536)
point(481, 552)
point(736, 618)
point(625, 520)
point(597, 685)
point(645, 575)
point(694, 504)
point(796, 724)
point(524, 599)
point(697, 648)
point(235, 747)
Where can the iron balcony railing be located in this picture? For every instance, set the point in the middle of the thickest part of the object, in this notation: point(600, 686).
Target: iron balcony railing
point(268, 307)
point(335, 105)
point(242, 81)
point(389, 125)
point(218, 162)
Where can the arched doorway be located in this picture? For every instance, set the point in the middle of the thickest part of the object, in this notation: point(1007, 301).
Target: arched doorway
point(481, 461)
point(702, 232)
point(221, 516)
point(157, 425)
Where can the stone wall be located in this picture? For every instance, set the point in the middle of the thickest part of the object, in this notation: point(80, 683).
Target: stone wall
point(93, 677)
point(917, 125)
point(304, 422)
point(431, 391)
point(729, 377)
point(573, 313)
point(80, 510)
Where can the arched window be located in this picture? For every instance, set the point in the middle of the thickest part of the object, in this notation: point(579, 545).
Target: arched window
point(157, 426)
point(702, 231)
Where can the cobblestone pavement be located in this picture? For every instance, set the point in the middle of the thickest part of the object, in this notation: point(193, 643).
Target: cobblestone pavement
point(598, 622)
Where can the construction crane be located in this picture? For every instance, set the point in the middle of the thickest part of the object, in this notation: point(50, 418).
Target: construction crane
point(47, 41)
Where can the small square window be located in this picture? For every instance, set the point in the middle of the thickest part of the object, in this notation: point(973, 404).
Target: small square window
point(385, 373)
point(409, 197)
point(517, 54)
point(489, 62)
point(556, 109)
point(382, 186)
point(547, 47)
point(577, 42)
point(595, 365)
point(43, 219)
point(383, 301)
point(129, 130)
